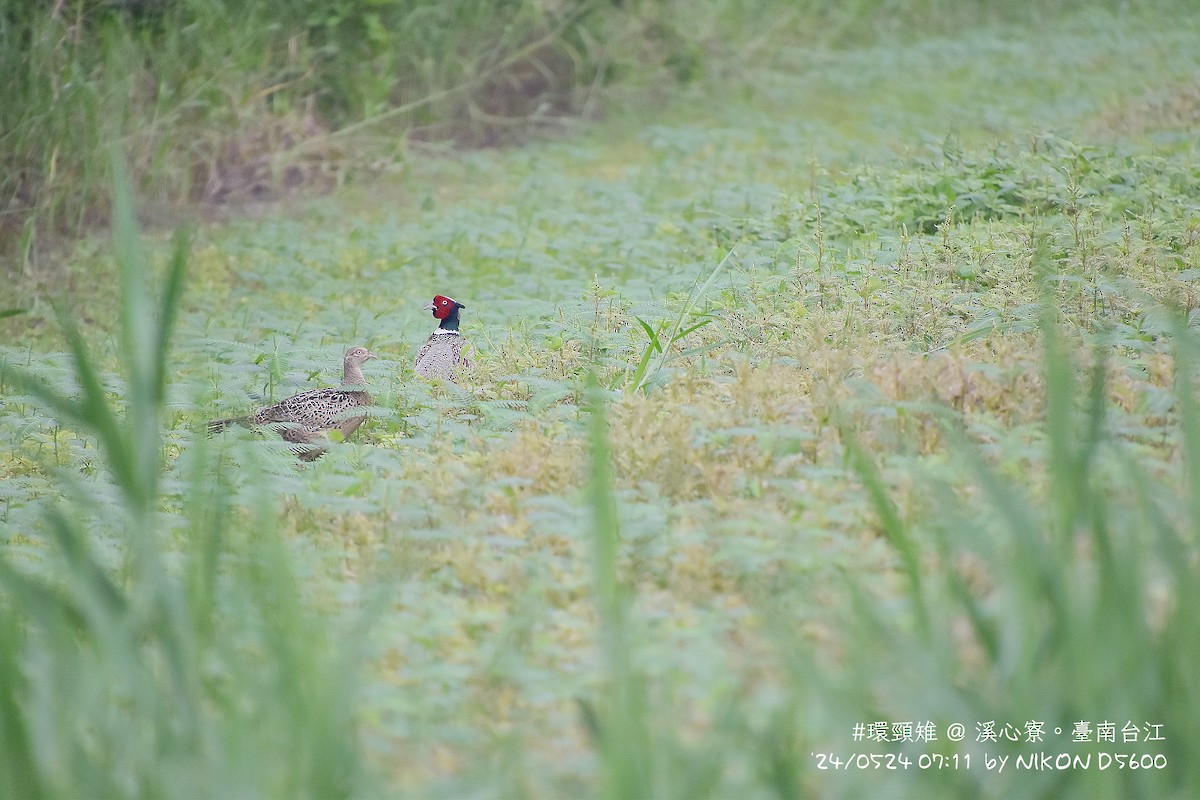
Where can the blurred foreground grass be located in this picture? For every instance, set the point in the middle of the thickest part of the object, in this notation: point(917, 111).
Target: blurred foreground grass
point(893, 420)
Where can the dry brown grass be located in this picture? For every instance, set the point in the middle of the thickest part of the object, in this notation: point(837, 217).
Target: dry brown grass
point(1169, 108)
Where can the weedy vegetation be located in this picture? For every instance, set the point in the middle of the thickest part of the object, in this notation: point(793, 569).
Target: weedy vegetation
point(857, 384)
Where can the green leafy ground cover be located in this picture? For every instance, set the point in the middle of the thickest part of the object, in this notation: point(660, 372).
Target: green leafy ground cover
point(893, 418)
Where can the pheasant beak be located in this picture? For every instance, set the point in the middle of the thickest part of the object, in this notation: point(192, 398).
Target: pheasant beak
point(428, 306)
point(369, 356)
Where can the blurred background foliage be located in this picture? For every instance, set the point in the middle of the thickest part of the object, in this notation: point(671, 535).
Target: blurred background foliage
point(226, 101)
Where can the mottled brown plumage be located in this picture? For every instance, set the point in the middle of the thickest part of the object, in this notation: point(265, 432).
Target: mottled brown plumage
point(442, 354)
point(307, 418)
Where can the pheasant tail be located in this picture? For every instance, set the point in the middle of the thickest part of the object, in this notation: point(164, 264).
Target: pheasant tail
point(218, 425)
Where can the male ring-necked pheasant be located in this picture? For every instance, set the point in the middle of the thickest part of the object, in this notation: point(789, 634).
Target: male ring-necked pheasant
point(305, 419)
point(442, 354)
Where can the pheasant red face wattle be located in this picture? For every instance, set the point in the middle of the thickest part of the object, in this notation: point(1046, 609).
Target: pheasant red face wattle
point(443, 307)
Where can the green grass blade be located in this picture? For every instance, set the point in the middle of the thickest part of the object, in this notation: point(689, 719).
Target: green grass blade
point(98, 592)
point(96, 411)
point(136, 310)
point(698, 291)
point(683, 334)
point(139, 338)
point(624, 739)
point(168, 311)
point(1019, 516)
point(1185, 346)
point(1061, 430)
point(702, 349)
point(21, 779)
point(652, 344)
point(651, 334)
point(894, 528)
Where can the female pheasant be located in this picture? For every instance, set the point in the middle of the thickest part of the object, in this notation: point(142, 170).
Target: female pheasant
point(306, 418)
point(442, 354)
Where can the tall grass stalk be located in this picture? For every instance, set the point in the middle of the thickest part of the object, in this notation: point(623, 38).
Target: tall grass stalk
point(619, 724)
